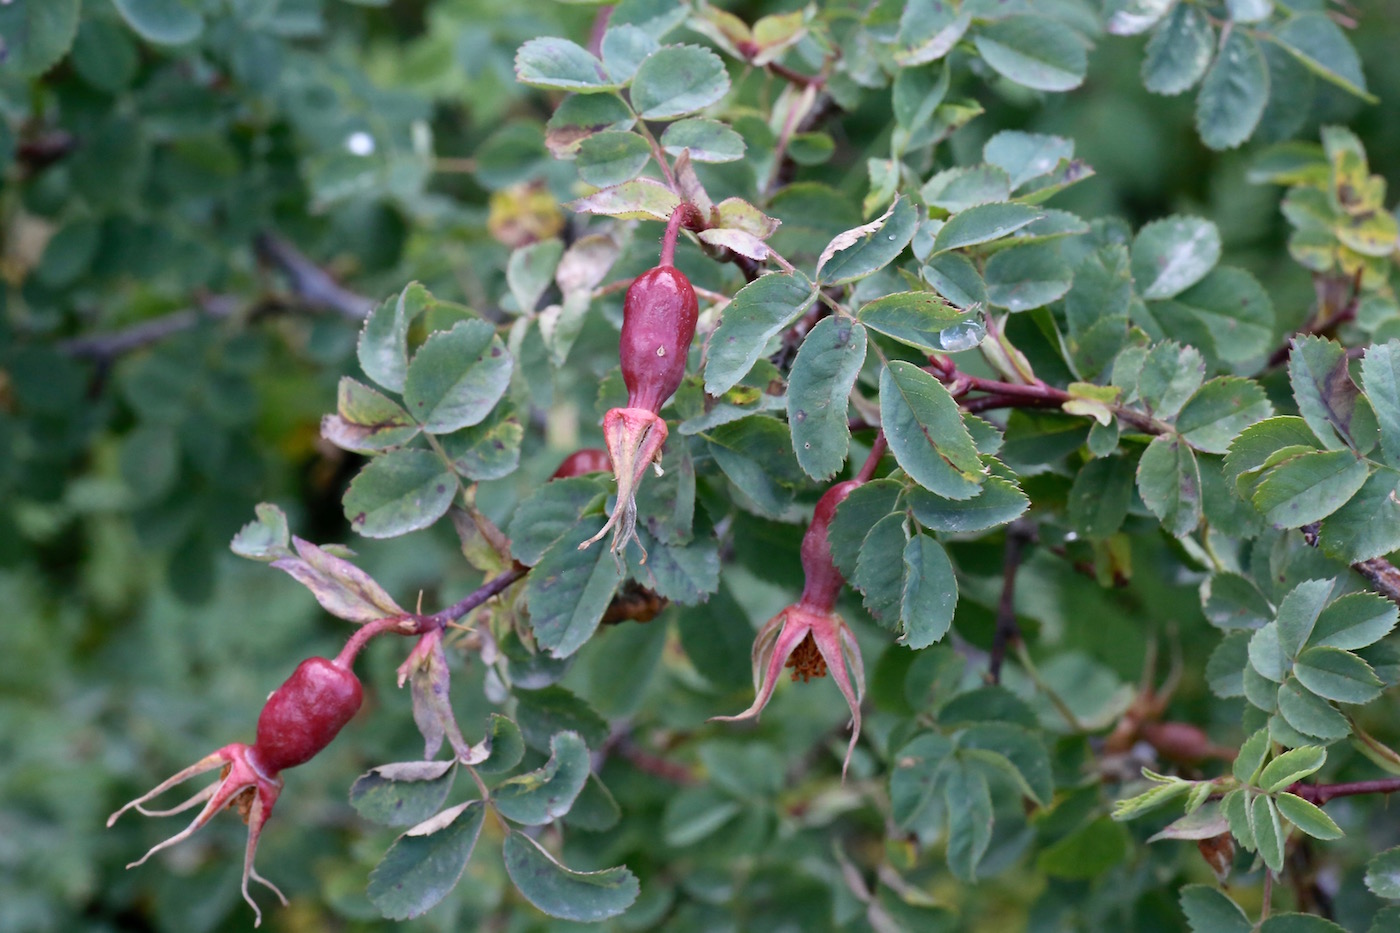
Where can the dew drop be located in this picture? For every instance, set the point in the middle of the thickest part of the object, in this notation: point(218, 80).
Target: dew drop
point(660, 351)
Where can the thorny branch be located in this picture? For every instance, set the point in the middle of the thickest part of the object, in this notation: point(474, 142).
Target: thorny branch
point(312, 288)
point(1008, 631)
point(1383, 576)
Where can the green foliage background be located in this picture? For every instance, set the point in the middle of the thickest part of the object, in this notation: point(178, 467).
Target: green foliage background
point(132, 642)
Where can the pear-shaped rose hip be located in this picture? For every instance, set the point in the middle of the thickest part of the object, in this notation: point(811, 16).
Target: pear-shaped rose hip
point(658, 324)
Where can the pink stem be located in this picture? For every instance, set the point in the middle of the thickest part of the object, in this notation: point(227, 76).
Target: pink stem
point(673, 230)
point(877, 450)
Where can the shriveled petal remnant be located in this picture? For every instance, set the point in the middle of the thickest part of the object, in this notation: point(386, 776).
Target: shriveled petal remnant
point(809, 636)
point(244, 783)
point(635, 437)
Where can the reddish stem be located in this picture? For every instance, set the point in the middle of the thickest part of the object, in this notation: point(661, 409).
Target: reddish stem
point(421, 625)
point(1321, 793)
point(877, 450)
point(673, 230)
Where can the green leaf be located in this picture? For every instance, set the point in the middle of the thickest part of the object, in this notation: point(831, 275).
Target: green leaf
point(1354, 621)
point(1291, 766)
point(1132, 17)
point(1024, 156)
point(402, 491)
point(1034, 51)
point(1309, 487)
point(916, 772)
point(559, 64)
point(579, 116)
point(968, 801)
point(677, 80)
point(457, 377)
point(1169, 376)
point(623, 48)
point(1380, 374)
point(1172, 254)
point(926, 433)
point(1310, 714)
point(928, 30)
point(544, 713)
point(1021, 278)
point(402, 794)
point(38, 35)
point(1086, 853)
point(756, 454)
point(505, 743)
point(879, 573)
point(489, 450)
point(1000, 501)
point(954, 277)
point(1231, 601)
point(547, 793)
point(1259, 442)
point(1209, 911)
point(367, 421)
point(1233, 309)
point(1170, 484)
point(957, 189)
point(819, 390)
point(1020, 752)
point(164, 22)
point(705, 140)
point(1225, 668)
point(424, 864)
point(855, 516)
point(595, 809)
point(1325, 50)
point(696, 813)
point(638, 199)
point(1369, 525)
point(1100, 496)
point(569, 590)
point(266, 537)
point(1307, 817)
point(864, 250)
point(1268, 832)
point(383, 346)
point(544, 517)
point(759, 312)
point(1251, 757)
point(1266, 655)
point(1234, 93)
point(587, 897)
point(918, 319)
point(1327, 398)
point(1383, 874)
point(1179, 51)
point(1220, 410)
point(1235, 806)
point(982, 224)
point(1298, 612)
point(1337, 675)
point(930, 592)
point(612, 157)
point(917, 94)
point(530, 271)
point(1096, 309)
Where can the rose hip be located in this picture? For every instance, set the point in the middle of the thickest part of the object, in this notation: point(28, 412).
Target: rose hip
point(809, 636)
point(658, 325)
point(300, 718)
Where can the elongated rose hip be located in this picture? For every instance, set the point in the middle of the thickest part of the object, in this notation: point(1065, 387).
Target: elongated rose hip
point(809, 636)
point(300, 718)
point(582, 462)
point(658, 324)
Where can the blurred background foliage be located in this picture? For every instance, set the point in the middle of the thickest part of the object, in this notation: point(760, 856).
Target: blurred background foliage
point(218, 179)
